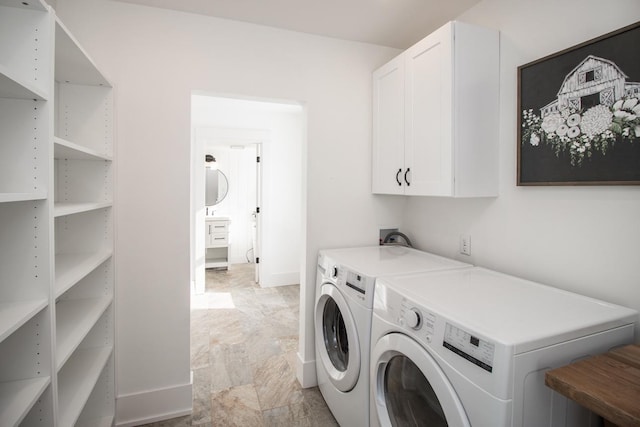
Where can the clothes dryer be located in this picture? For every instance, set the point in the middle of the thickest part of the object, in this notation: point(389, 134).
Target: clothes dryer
point(471, 347)
point(344, 300)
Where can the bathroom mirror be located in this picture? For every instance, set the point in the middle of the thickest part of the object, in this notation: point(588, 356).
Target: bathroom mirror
point(217, 187)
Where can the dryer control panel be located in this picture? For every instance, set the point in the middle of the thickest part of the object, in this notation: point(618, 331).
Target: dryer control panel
point(468, 346)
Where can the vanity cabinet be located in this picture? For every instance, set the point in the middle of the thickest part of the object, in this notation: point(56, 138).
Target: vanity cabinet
point(435, 116)
point(56, 226)
point(217, 242)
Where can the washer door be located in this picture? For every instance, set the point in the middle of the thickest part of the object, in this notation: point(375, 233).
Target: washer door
point(409, 388)
point(337, 338)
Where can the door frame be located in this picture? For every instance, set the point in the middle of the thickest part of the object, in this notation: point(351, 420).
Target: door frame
point(221, 136)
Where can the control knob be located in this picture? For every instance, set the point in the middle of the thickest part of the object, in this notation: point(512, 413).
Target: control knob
point(412, 318)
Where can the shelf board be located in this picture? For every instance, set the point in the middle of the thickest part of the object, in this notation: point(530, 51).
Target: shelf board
point(33, 4)
point(98, 422)
point(72, 64)
point(12, 87)
point(22, 197)
point(68, 150)
point(77, 380)
point(15, 314)
point(18, 397)
point(71, 268)
point(74, 320)
point(66, 208)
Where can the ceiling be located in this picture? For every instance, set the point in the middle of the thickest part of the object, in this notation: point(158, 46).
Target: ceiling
point(393, 23)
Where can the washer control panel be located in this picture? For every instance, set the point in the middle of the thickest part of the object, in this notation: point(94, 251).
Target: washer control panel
point(355, 281)
point(468, 346)
point(358, 286)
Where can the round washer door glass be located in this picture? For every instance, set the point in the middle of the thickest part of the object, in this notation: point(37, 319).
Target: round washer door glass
point(337, 338)
point(409, 388)
point(409, 397)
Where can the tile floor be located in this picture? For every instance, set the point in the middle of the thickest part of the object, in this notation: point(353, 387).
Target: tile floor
point(244, 340)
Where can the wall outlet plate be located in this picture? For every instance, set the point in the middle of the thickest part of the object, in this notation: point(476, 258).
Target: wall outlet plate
point(386, 230)
point(465, 244)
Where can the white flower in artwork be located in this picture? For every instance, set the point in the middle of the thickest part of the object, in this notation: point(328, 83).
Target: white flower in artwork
point(596, 120)
point(573, 120)
point(573, 132)
point(534, 140)
point(562, 130)
point(621, 114)
point(551, 122)
point(626, 109)
point(629, 103)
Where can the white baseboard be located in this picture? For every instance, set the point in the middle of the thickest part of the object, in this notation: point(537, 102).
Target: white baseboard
point(280, 279)
point(155, 405)
point(306, 373)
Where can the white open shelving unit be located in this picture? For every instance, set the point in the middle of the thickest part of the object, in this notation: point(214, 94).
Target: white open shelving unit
point(56, 225)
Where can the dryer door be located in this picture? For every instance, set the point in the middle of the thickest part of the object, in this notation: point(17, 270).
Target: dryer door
point(337, 338)
point(409, 388)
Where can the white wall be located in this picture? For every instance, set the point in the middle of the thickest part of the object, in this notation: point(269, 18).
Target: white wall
point(156, 58)
point(584, 239)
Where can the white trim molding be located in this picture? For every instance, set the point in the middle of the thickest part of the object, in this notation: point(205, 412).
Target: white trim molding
point(155, 405)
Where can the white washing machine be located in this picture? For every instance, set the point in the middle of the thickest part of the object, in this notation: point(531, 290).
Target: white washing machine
point(471, 347)
point(344, 300)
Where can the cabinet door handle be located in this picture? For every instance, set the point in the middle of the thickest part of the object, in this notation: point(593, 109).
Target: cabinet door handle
point(405, 176)
point(398, 179)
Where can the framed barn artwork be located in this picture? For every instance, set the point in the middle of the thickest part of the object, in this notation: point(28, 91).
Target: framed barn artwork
point(579, 114)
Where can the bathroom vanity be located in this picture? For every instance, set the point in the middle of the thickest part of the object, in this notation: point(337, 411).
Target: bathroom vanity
point(217, 242)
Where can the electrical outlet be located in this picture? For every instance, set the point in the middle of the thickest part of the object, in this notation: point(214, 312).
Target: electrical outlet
point(465, 244)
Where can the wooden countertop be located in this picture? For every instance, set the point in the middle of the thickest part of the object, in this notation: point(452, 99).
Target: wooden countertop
point(607, 384)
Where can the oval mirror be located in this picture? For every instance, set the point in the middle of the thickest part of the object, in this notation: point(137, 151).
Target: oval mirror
point(217, 187)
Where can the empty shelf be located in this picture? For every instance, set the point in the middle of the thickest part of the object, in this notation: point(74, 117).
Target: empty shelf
point(68, 150)
point(77, 380)
point(18, 397)
point(15, 314)
point(71, 268)
point(62, 209)
point(74, 320)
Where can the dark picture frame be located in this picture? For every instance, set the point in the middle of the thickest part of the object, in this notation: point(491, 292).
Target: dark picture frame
point(579, 114)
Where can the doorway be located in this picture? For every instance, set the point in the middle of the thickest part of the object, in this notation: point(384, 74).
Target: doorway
point(258, 145)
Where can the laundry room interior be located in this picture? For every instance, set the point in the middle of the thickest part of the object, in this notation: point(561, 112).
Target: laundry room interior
point(119, 117)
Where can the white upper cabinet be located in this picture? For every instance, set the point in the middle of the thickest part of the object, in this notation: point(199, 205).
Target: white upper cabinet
point(388, 122)
point(435, 116)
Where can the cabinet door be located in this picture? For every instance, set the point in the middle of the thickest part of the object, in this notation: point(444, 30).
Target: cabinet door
point(207, 233)
point(428, 112)
point(388, 128)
